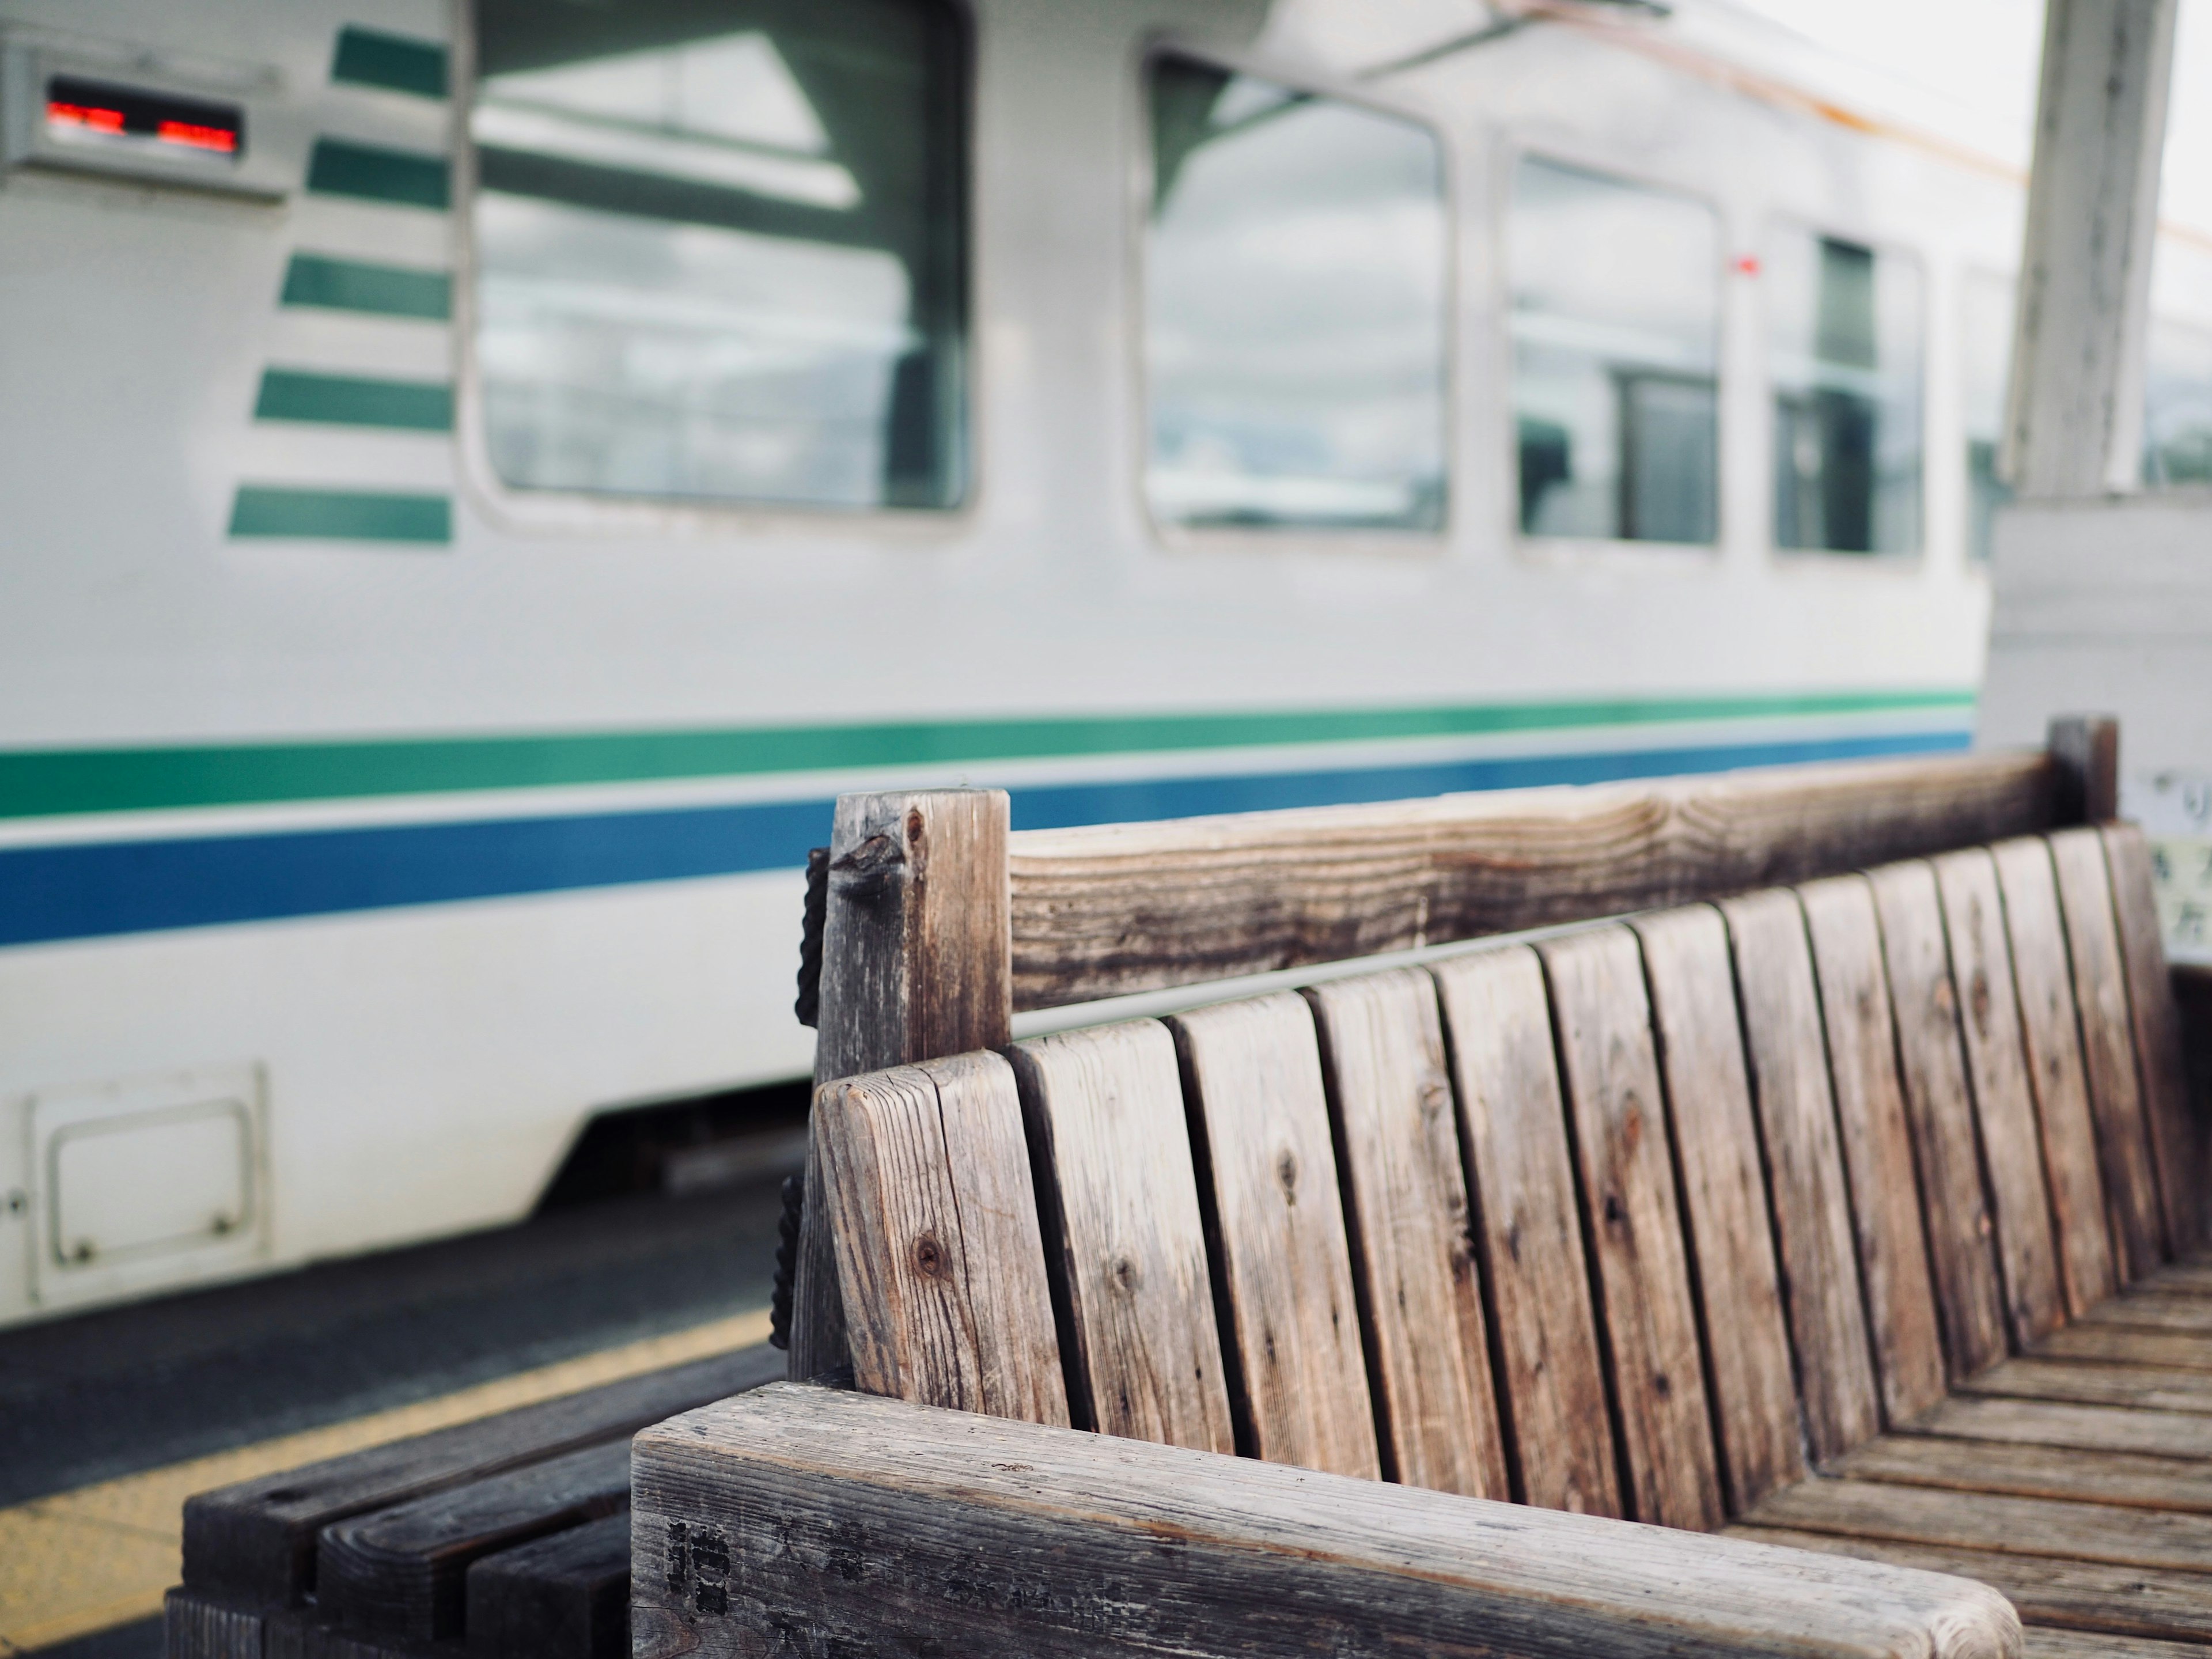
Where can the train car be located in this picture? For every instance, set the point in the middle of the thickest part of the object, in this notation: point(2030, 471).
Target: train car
point(477, 480)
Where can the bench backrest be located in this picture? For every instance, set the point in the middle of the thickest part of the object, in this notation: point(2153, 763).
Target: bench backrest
point(1637, 1219)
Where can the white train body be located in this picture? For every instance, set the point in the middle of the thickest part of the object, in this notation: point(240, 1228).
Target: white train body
point(346, 870)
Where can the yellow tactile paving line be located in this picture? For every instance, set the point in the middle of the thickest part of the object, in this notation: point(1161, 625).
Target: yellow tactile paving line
point(81, 1561)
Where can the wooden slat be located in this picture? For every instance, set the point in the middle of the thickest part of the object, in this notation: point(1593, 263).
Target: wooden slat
point(2128, 1344)
point(940, 1262)
point(2055, 1423)
point(1988, 1521)
point(2126, 1479)
point(1618, 1117)
point(2092, 1383)
point(1551, 1385)
point(195, 1627)
point(1996, 1071)
point(1877, 1143)
point(2177, 1135)
point(2108, 1048)
point(2135, 1603)
point(1119, 1204)
point(1413, 1243)
point(1968, 1297)
point(1260, 1137)
point(255, 1540)
point(2051, 1028)
point(2085, 1644)
point(872, 1526)
point(2148, 1310)
point(1804, 1160)
point(1121, 907)
point(1686, 954)
point(566, 1597)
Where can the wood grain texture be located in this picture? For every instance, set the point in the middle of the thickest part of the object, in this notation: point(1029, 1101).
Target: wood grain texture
point(2128, 1344)
point(2148, 1309)
point(1693, 1004)
point(1805, 1163)
point(1122, 907)
point(2177, 1131)
point(2050, 1027)
point(197, 1627)
point(1267, 1184)
point(1413, 1245)
point(1876, 1135)
point(1996, 1071)
point(940, 1261)
point(1119, 1204)
point(1968, 1298)
point(1551, 1381)
point(862, 1522)
point(2096, 1383)
point(2073, 1474)
point(565, 1596)
point(1645, 1310)
point(2108, 1048)
point(2054, 1422)
point(2041, 1643)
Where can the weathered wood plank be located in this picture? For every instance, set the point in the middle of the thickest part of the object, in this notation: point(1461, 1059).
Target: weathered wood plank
point(2128, 1344)
point(2135, 1603)
point(1996, 1071)
point(940, 1261)
point(1989, 1521)
point(1121, 907)
point(1559, 1441)
point(1260, 1138)
point(1877, 1142)
point(1118, 1199)
point(1693, 1004)
point(2085, 758)
point(565, 1596)
point(196, 1627)
point(2146, 1309)
point(2177, 1134)
point(2073, 1474)
point(1782, 1026)
point(2053, 1423)
point(2108, 1049)
point(255, 1540)
point(1412, 1244)
point(2042, 1644)
point(1968, 1297)
point(2090, 1382)
point(862, 1522)
point(1619, 1115)
point(2052, 1027)
point(915, 965)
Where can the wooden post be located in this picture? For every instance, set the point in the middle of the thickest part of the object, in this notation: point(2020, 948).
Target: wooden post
point(2085, 758)
point(916, 964)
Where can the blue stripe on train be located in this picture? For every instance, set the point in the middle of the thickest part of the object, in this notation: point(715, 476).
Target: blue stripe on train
point(89, 889)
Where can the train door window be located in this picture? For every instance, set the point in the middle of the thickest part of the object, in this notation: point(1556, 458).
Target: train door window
point(1295, 283)
point(2177, 405)
point(1985, 335)
point(720, 249)
point(1844, 338)
point(1616, 294)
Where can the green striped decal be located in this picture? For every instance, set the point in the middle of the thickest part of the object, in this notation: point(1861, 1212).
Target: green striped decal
point(405, 176)
point(288, 394)
point(314, 279)
point(338, 515)
point(40, 781)
point(366, 59)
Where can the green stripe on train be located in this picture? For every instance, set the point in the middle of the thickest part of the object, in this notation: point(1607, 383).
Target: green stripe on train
point(373, 173)
point(263, 510)
point(367, 58)
point(289, 394)
point(314, 279)
point(35, 782)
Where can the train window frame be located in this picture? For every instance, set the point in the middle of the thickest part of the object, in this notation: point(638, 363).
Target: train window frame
point(1921, 557)
point(1967, 276)
point(1609, 553)
point(1359, 541)
point(585, 515)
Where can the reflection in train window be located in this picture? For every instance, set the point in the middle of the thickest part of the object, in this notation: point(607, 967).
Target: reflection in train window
point(1844, 334)
point(2177, 405)
point(1616, 324)
point(1294, 286)
point(720, 249)
point(1986, 337)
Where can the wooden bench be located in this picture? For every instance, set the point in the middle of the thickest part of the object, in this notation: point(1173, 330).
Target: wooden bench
point(408, 1556)
point(1852, 1216)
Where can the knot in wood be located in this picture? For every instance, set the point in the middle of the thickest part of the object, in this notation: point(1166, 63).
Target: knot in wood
point(864, 874)
point(930, 1259)
point(1287, 1171)
point(1125, 1274)
point(1979, 998)
point(1436, 1098)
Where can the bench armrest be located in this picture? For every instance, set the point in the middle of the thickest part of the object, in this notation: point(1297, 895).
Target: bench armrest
point(813, 1521)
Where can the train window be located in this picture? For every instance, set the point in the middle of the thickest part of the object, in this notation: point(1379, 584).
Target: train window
point(2177, 405)
point(1294, 285)
point(1986, 337)
point(720, 249)
point(1844, 339)
point(1616, 326)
